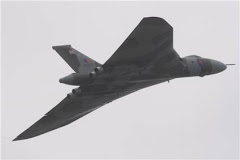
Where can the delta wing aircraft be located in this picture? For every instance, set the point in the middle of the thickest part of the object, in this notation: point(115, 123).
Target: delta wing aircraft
point(145, 58)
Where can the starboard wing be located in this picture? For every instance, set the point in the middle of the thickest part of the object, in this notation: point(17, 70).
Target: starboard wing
point(67, 111)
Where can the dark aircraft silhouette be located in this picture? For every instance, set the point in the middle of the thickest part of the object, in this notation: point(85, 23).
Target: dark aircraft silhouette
point(144, 59)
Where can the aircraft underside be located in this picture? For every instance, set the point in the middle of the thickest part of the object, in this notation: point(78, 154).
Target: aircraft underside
point(145, 58)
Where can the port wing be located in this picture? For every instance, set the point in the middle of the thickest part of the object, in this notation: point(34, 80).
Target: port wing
point(151, 40)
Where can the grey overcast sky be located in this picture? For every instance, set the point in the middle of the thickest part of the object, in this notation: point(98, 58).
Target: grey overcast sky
point(186, 118)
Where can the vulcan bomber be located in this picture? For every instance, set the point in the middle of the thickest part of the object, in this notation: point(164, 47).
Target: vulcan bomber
point(145, 58)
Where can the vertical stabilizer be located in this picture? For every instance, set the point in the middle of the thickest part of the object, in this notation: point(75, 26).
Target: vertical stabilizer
point(79, 62)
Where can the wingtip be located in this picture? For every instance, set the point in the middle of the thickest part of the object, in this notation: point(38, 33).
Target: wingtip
point(62, 46)
point(152, 17)
point(21, 137)
point(16, 139)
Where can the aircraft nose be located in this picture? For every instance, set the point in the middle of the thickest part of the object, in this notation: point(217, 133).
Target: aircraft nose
point(217, 66)
point(61, 80)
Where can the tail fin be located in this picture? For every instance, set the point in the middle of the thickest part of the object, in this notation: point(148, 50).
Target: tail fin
point(79, 62)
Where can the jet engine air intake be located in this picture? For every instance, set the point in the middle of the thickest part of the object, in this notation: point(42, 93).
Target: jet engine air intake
point(92, 74)
point(70, 95)
point(98, 69)
point(76, 91)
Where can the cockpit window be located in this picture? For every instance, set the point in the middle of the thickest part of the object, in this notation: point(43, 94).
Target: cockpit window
point(200, 61)
point(205, 65)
